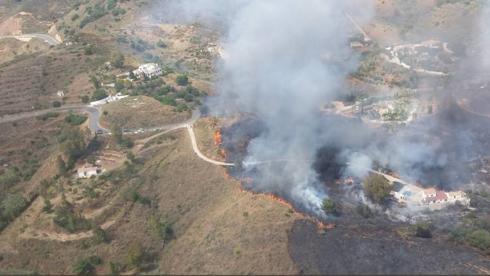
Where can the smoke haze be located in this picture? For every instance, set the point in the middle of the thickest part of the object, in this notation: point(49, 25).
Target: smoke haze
point(284, 60)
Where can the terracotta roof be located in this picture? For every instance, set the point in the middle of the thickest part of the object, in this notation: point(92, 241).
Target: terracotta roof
point(440, 196)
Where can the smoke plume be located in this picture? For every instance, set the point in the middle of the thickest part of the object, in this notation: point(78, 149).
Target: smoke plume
point(284, 60)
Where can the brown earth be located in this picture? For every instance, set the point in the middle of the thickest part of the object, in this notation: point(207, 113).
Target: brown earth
point(141, 112)
point(218, 228)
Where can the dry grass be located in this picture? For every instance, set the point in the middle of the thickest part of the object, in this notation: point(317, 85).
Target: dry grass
point(218, 228)
point(141, 112)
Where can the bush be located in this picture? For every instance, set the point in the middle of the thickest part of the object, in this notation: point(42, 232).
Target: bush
point(135, 255)
point(100, 236)
point(87, 266)
point(56, 104)
point(161, 44)
point(161, 228)
point(182, 80)
point(13, 205)
point(89, 50)
point(65, 218)
point(330, 207)
point(99, 94)
point(423, 230)
point(132, 195)
point(364, 211)
point(48, 207)
point(118, 61)
point(9, 178)
point(377, 188)
point(479, 238)
point(85, 99)
point(75, 119)
point(48, 115)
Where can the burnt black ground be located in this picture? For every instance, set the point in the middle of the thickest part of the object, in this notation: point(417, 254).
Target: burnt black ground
point(370, 249)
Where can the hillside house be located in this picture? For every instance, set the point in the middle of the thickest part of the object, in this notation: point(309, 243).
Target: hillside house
point(87, 172)
point(148, 70)
point(438, 197)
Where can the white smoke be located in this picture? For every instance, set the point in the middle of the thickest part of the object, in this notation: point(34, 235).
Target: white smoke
point(285, 59)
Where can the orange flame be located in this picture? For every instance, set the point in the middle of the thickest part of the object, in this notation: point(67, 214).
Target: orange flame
point(218, 139)
point(321, 226)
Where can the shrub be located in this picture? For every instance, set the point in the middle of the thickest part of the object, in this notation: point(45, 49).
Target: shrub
point(182, 80)
point(99, 94)
point(56, 104)
point(86, 266)
point(48, 115)
point(423, 230)
point(161, 44)
point(65, 218)
point(161, 228)
point(364, 211)
point(118, 61)
point(75, 119)
point(377, 188)
point(330, 207)
point(85, 99)
point(135, 255)
point(9, 178)
point(479, 238)
point(13, 205)
point(48, 207)
point(100, 236)
point(132, 195)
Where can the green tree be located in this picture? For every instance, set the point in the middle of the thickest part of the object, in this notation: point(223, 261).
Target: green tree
point(86, 266)
point(61, 165)
point(135, 255)
point(330, 207)
point(479, 238)
point(423, 230)
point(48, 207)
point(100, 236)
point(99, 94)
point(115, 268)
point(9, 178)
point(364, 211)
point(182, 80)
point(132, 76)
point(117, 134)
point(13, 204)
point(56, 104)
point(119, 85)
point(95, 82)
point(377, 188)
point(118, 60)
point(161, 228)
point(161, 44)
point(85, 99)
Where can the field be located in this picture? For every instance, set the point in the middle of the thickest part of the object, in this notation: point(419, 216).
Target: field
point(141, 112)
point(32, 81)
point(217, 228)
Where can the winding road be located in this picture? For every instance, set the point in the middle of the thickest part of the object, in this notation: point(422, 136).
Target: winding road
point(95, 127)
point(93, 112)
point(27, 37)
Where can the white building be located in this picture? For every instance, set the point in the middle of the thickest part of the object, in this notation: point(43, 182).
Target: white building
point(87, 172)
point(109, 99)
point(149, 70)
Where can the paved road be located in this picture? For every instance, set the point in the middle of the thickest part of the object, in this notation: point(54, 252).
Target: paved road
point(93, 112)
point(26, 37)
